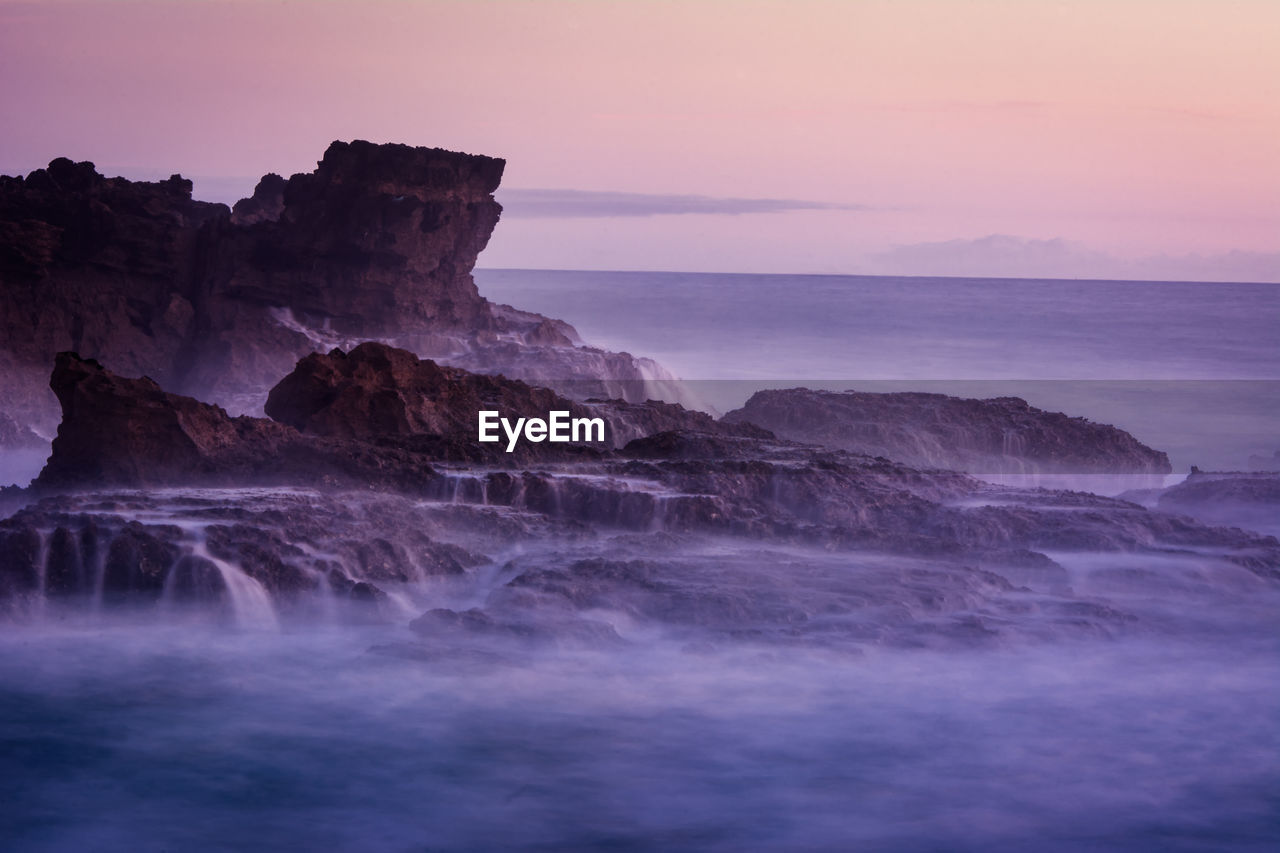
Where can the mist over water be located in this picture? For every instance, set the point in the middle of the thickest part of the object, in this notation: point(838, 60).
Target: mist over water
point(179, 734)
point(587, 687)
point(744, 696)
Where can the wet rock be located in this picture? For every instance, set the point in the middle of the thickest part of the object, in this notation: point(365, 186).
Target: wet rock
point(138, 561)
point(66, 570)
point(197, 580)
point(21, 552)
point(263, 554)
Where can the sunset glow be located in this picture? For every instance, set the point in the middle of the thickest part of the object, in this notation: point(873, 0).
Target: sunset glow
point(1137, 128)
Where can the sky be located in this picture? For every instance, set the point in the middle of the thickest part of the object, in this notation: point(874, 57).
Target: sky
point(1089, 138)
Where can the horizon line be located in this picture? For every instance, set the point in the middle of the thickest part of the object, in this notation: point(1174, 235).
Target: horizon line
point(874, 275)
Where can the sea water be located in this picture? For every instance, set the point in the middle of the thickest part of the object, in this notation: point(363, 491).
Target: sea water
point(1189, 368)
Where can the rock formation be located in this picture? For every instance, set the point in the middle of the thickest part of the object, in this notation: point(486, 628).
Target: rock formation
point(377, 243)
point(803, 517)
point(377, 390)
point(375, 417)
point(385, 446)
point(130, 432)
point(1248, 498)
point(1004, 435)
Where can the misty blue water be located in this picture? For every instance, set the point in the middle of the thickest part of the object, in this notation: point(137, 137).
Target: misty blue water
point(1190, 368)
point(1160, 732)
point(181, 738)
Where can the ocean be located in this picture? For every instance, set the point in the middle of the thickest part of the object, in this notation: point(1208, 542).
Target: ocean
point(1189, 368)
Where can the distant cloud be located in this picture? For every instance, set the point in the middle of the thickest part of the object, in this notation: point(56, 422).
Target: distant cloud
point(1018, 257)
point(561, 204)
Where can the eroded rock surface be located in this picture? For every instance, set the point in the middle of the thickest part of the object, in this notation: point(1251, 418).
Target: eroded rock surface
point(677, 527)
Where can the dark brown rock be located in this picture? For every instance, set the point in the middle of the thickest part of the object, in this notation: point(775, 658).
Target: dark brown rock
point(377, 390)
point(139, 559)
point(265, 205)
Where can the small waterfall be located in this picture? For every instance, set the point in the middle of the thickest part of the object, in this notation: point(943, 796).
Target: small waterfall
point(659, 521)
point(658, 383)
point(250, 601)
point(42, 574)
point(557, 509)
point(1013, 448)
point(455, 488)
point(99, 575)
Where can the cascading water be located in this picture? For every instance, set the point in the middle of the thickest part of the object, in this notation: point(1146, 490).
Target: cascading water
point(250, 602)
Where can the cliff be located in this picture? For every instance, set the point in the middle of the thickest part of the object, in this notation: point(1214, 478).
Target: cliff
point(377, 243)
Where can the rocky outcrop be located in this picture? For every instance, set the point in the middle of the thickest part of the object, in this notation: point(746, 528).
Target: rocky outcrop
point(130, 432)
point(377, 390)
point(1249, 498)
point(1004, 435)
point(375, 417)
point(377, 243)
point(382, 418)
point(379, 489)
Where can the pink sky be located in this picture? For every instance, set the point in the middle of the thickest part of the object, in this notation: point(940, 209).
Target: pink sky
point(1128, 127)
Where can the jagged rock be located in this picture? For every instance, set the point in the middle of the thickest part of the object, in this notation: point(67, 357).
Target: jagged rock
point(265, 205)
point(997, 436)
point(376, 390)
